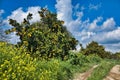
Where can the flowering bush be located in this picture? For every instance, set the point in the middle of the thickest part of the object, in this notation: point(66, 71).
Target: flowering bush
point(14, 64)
point(17, 64)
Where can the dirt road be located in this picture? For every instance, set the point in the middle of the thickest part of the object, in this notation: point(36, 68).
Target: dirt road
point(85, 75)
point(114, 73)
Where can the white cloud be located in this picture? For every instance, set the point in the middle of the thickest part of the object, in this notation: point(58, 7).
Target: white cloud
point(113, 47)
point(86, 35)
point(93, 26)
point(109, 24)
point(73, 25)
point(34, 11)
point(94, 7)
point(14, 38)
point(77, 7)
point(106, 33)
point(108, 37)
point(64, 10)
point(19, 14)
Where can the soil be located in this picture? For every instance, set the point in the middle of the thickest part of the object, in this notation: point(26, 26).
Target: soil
point(114, 73)
point(85, 75)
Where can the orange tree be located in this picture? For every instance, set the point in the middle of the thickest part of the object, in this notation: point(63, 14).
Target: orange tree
point(47, 38)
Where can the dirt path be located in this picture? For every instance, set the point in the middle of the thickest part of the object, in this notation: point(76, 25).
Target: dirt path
point(85, 75)
point(114, 73)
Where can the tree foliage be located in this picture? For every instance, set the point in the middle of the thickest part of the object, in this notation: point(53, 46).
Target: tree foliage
point(116, 55)
point(95, 48)
point(47, 38)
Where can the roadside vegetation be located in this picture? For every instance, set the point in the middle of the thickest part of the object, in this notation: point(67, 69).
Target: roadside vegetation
point(103, 69)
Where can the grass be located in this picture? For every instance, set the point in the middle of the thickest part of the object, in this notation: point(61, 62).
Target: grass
point(103, 69)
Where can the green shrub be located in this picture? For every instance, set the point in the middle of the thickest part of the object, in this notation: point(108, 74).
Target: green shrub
point(16, 64)
point(95, 48)
point(94, 58)
point(80, 59)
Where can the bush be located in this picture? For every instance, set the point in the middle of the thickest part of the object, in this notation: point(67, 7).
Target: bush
point(95, 48)
point(80, 59)
point(16, 64)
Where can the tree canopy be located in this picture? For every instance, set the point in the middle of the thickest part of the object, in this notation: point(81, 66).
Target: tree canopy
point(94, 48)
point(47, 38)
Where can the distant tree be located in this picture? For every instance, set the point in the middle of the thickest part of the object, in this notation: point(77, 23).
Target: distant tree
point(95, 48)
point(47, 38)
point(116, 55)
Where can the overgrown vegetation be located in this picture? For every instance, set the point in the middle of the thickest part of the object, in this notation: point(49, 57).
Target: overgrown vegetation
point(15, 63)
point(44, 52)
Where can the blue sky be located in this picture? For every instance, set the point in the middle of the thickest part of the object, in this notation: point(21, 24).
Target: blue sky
point(87, 20)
